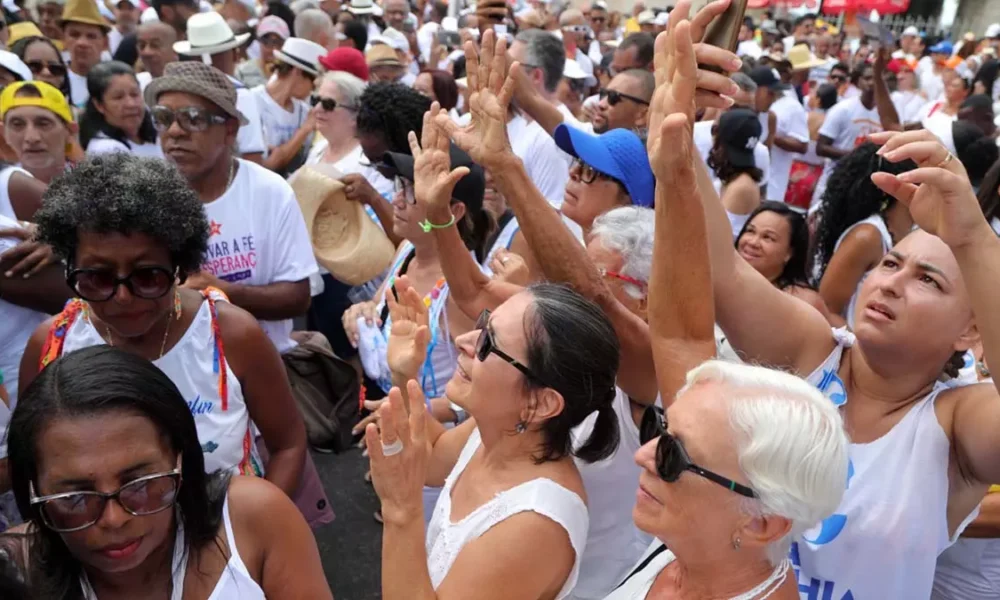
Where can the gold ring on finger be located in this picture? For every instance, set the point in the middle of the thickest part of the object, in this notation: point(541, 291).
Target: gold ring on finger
point(946, 160)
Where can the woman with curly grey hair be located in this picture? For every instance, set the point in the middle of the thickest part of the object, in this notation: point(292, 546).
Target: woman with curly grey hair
point(131, 231)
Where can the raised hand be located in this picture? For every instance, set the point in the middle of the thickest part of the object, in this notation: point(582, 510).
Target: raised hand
point(433, 179)
point(674, 102)
point(398, 451)
point(408, 338)
point(490, 93)
point(938, 193)
point(699, 87)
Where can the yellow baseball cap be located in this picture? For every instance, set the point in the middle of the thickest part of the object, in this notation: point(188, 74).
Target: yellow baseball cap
point(51, 99)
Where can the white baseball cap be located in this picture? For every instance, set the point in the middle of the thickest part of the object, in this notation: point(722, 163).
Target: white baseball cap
point(993, 31)
point(646, 17)
point(572, 70)
point(911, 30)
point(662, 19)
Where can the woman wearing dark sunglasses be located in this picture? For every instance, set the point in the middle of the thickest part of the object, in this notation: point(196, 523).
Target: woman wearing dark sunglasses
point(45, 61)
point(130, 231)
point(720, 487)
point(106, 464)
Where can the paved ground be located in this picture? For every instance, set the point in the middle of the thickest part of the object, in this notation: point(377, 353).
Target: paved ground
point(351, 546)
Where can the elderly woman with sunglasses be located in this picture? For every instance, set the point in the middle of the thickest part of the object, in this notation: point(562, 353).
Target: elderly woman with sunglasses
point(745, 458)
point(107, 466)
point(131, 230)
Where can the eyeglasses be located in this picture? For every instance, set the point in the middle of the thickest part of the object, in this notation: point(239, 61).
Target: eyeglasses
point(616, 97)
point(191, 118)
point(838, 77)
point(406, 188)
point(589, 174)
point(328, 104)
point(621, 277)
point(486, 346)
point(100, 285)
point(73, 511)
point(37, 67)
point(671, 457)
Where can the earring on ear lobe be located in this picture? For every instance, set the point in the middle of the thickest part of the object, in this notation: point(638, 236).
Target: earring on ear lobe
point(736, 543)
point(520, 427)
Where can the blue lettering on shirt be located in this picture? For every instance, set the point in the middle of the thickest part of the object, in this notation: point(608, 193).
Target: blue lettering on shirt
point(199, 406)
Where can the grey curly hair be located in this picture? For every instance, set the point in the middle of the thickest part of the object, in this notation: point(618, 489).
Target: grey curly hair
point(122, 193)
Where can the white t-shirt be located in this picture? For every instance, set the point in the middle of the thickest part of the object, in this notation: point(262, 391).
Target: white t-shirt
point(703, 142)
point(103, 145)
point(848, 124)
point(749, 48)
point(16, 326)
point(614, 543)
point(78, 89)
point(790, 122)
point(821, 73)
point(114, 38)
point(250, 138)
point(570, 119)
point(278, 124)
point(258, 237)
point(542, 159)
point(144, 79)
point(908, 105)
point(6, 207)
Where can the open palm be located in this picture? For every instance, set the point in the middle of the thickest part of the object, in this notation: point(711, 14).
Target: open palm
point(409, 335)
point(433, 179)
point(491, 89)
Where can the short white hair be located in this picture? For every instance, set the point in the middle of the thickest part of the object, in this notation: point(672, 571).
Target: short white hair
point(350, 87)
point(301, 5)
point(628, 231)
point(791, 444)
point(311, 23)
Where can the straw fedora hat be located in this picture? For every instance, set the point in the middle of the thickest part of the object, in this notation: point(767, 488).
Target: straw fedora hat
point(86, 12)
point(801, 58)
point(208, 33)
point(345, 240)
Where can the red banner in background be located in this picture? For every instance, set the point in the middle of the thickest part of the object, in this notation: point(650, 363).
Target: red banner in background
point(884, 7)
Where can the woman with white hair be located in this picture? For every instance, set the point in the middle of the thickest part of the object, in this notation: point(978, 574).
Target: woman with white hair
point(745, 458)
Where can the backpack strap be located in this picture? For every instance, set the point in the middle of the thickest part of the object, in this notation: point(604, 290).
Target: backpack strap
point(56, 338)
point(219, 353)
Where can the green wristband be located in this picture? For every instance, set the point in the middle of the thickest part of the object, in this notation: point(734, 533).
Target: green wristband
point(427, 226)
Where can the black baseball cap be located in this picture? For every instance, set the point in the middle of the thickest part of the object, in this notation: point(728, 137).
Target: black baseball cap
point(469, 190)
point(769, 78)
point(738, 131)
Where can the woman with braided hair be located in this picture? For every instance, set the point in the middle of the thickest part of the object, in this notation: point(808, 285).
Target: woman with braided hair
point(858, 224)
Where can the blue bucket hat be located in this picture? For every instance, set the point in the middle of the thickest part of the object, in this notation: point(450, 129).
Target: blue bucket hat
point(619, 154)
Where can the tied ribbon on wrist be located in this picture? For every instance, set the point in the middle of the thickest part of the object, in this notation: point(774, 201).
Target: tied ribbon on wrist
point(427, 226)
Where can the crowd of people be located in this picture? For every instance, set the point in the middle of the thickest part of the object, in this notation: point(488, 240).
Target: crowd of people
point(614, 314)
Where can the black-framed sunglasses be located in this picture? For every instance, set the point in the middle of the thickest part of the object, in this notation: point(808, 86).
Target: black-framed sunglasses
point(486, 346)
point(589, 174)
point(73, 511)
point(191, 118)
point(101, 285)
point(615, 97)
point(406, 188)
point(37, 67)
point(671, 457)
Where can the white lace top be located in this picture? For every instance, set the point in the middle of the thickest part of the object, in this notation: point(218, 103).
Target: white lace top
point(446, 539)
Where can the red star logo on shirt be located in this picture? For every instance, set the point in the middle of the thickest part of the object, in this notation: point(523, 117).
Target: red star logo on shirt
point(214, 228)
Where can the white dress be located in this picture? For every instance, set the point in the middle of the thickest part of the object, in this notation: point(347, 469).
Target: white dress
point(445, 539)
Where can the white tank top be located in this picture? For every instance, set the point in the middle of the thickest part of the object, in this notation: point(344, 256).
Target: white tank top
point(446, 539)
point(969, 570)
point(885, 537)
point(877, 222)
point(220, 415)
point(235, 582)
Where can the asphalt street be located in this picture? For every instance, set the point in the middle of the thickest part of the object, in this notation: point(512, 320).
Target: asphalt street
point(350, 546)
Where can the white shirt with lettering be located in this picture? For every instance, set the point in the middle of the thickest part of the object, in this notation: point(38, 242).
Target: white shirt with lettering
point(258, 237)
point(848, 124)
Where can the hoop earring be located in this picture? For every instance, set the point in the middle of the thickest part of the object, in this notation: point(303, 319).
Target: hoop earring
point(177, 303)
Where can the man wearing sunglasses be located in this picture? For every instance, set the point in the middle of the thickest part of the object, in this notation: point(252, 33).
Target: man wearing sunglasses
point(259, 251)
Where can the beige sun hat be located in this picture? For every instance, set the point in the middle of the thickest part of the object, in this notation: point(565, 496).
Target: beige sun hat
point(345, 240)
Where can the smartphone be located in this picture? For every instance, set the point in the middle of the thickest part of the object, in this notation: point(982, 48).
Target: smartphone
point(724, 30)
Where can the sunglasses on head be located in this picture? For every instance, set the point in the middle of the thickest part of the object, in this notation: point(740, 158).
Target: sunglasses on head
point(616, 97)
point(190, 118)
point(37, 67)
point(671, 457)
point(101, 285)
point(485, 346)
point(73, 511)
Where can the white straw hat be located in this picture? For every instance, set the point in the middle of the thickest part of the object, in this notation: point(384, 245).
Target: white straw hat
point(208, 33)
point(301, 54)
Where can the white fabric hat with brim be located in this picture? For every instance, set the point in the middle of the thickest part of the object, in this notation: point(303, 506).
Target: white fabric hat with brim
point(149, 16)
point(646, 17)
point(802, 59)
point(301, 54)
point(208, 33)
point(572, 70)
point(662, 19)
point(393, 38)
point(15, 65)
point(361, 7)
point(345, 240)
